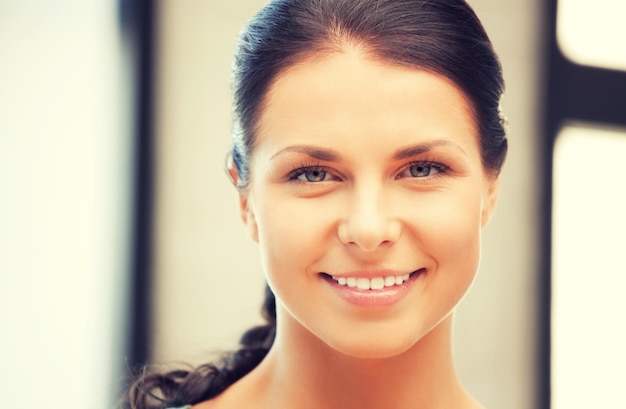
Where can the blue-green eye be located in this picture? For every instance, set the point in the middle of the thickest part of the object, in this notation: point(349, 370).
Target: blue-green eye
point(313, 175)
point(309, 174)
point(423, 169)
point(420, 171)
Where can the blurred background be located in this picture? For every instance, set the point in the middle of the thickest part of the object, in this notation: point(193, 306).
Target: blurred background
point(120, 239)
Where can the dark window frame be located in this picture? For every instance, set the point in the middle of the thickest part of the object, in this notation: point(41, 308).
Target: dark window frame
point(138, 21)
point(572, 93)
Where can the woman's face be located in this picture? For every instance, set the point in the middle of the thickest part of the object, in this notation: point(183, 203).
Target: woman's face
point(367, 196)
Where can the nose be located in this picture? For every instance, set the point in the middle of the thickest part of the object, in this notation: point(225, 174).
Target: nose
point(370, 223)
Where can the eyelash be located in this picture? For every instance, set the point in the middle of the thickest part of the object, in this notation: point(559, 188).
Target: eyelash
point(303, 168)
point(439, 167)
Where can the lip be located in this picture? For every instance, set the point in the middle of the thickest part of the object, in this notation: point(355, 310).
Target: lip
point(371, 274)
point(373, 298)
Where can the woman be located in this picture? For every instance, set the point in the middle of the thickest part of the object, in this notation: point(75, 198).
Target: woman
point(367, 147)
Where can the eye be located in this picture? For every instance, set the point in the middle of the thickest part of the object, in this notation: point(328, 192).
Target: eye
point(310, 174)
point(423, 169)
point(420, 171)
point(314, 175)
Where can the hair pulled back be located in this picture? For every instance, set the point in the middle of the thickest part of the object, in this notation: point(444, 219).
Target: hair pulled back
point(154, 390)
point(442, 36)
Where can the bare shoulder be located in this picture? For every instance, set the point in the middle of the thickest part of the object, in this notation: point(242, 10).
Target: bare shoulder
point(242, 394)
point(207, 404)
point(223, 402)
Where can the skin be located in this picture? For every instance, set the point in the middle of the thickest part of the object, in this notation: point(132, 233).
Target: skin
point(362, 167)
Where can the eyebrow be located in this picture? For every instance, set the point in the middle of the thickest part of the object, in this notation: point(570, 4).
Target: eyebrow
point(329, 155)
point(416, 150)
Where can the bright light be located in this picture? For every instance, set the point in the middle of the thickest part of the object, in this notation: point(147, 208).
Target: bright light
point(64, 160)
point(589, 269)
point(593, 33)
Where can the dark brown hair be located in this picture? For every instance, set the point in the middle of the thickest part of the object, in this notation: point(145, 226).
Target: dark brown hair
point(442, 36)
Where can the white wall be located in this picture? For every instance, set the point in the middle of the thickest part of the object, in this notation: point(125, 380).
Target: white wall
point(208, 278)
point(209, 281)
point(64, 182)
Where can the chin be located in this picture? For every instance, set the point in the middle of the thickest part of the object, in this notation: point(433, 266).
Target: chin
point(373, 347)
point(384, 342)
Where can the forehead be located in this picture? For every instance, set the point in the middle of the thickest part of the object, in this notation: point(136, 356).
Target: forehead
point(352, 95)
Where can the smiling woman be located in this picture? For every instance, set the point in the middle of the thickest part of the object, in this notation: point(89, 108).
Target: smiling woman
point(367, 147)
point(398, 190)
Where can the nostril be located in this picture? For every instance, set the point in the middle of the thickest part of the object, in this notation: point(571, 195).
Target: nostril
point(369, 235)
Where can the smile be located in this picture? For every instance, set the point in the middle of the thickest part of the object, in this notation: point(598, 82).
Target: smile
point(374, 283)
point(376, 291)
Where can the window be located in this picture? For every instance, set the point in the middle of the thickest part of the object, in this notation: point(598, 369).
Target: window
point(66, 133)
point(586, 144)
point(589, 268)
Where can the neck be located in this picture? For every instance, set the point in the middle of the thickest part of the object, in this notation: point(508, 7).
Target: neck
point(301, 371)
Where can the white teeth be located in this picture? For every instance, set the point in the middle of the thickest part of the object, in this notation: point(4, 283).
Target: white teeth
point(363, 283)
point(376, 283)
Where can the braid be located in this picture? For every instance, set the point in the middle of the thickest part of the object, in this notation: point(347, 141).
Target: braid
point(153, 390)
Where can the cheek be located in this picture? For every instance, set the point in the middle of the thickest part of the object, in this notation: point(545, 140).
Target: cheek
point(447, 236)
point(293, 234)
point(448, 227)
